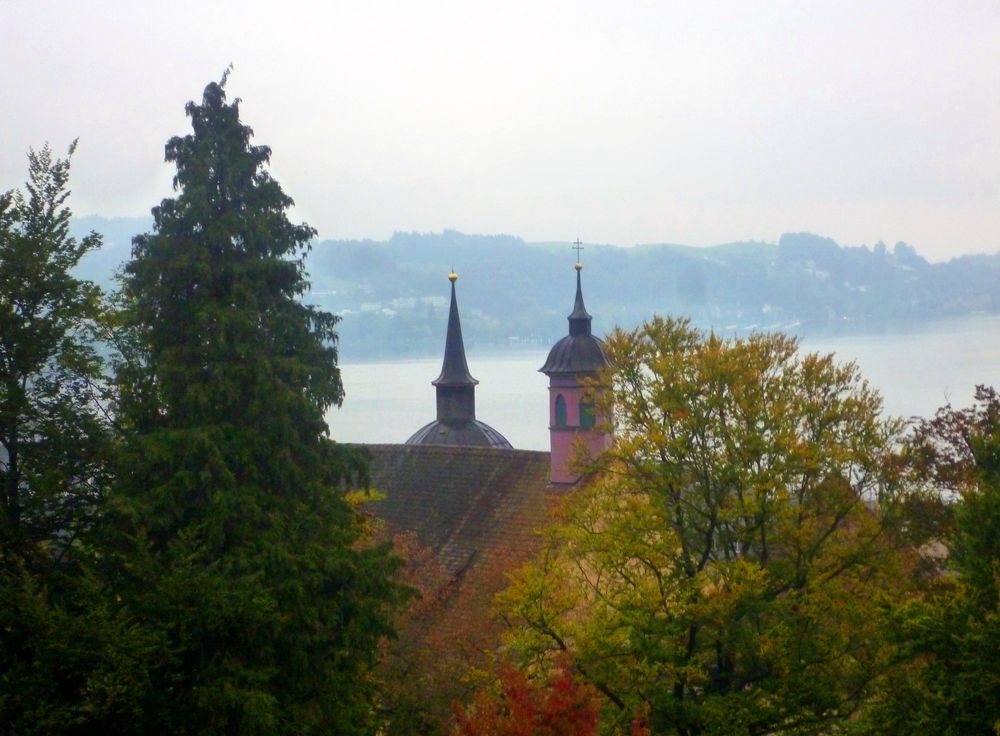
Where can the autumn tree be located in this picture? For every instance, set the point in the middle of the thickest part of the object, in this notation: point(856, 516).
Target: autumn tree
point(421, 674)
point(556, 705)
point(948, 638)
point(447, 639)
point(229, 534)
point(724, 571)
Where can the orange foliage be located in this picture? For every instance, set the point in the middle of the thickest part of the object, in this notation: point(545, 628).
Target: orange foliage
point(561, 707)
point(447, 634)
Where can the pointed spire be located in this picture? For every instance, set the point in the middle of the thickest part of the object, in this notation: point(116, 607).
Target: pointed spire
point(579, 320)
point(455, 369)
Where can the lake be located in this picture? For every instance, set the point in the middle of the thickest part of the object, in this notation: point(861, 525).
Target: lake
point(917, 371)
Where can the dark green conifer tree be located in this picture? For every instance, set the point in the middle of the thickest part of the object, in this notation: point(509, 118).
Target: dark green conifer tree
point(232, 540)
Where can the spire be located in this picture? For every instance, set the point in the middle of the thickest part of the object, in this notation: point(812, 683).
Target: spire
point(579, 320)
point(456, 422)
point(455, 369)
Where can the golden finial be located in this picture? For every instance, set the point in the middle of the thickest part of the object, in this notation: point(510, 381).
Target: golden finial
point(578, 266)
point(578, 246)
point(453, 277)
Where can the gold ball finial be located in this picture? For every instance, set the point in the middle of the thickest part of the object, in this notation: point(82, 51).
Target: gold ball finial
point(578, 266)
point(453, 277)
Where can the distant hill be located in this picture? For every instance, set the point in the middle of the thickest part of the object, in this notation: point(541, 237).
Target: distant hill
point(392, 295)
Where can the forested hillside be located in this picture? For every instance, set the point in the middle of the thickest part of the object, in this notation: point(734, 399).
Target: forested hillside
point(391, 294)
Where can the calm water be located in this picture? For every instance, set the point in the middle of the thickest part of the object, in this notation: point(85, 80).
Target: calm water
point(917, 371)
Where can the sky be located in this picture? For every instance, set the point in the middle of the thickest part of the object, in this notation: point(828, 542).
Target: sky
point(615, 122)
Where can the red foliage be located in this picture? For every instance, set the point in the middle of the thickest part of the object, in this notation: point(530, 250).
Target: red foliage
point(640, 725)
point(941, 447)
point(560, 707)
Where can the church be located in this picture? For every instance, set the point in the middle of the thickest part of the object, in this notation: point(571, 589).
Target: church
point(465, 507)
point(456, 481)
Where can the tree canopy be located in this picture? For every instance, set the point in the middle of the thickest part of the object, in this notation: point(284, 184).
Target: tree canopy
point(53, 438)
point(947, 640)
point(723, 572)
point(67, 655)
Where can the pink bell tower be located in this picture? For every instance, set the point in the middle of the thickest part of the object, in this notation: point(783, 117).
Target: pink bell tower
point(573, 421)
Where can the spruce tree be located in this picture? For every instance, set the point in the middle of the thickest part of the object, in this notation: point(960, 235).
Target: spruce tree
point(231, 539)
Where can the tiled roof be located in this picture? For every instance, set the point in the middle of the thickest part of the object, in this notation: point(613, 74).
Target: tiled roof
point(461, 518)
point(462, 502)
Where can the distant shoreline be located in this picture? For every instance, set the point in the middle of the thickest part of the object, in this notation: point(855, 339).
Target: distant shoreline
point(516, 351)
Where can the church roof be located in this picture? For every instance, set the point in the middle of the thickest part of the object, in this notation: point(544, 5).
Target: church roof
point(470, 433)
point(579, 351)
point(463, 502)
point(462, 519)
point(575, 354)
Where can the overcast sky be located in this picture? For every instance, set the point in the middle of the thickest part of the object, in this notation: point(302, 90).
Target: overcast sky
point(619, 122)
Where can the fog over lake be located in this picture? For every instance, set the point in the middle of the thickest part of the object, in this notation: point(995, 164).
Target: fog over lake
point(916, 371)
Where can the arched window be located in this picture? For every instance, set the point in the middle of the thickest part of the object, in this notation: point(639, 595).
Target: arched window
point(588, 417)
point(560, 411)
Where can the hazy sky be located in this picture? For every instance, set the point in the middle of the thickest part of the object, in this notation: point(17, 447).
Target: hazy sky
point(622, 122)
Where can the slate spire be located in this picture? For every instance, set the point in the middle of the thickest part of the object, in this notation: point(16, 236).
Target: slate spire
point(456, 422)
point(579, 319)
point(579, 352)
point(455, 369)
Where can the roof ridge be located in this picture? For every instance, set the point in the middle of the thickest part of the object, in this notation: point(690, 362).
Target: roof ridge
point(449, 449)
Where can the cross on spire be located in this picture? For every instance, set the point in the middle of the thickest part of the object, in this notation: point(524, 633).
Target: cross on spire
point(577, 246)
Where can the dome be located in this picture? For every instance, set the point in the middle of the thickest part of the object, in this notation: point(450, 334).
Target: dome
point(576, 354)
point(469, 433)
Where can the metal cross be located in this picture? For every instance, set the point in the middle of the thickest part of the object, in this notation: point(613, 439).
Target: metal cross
point(577, 246)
